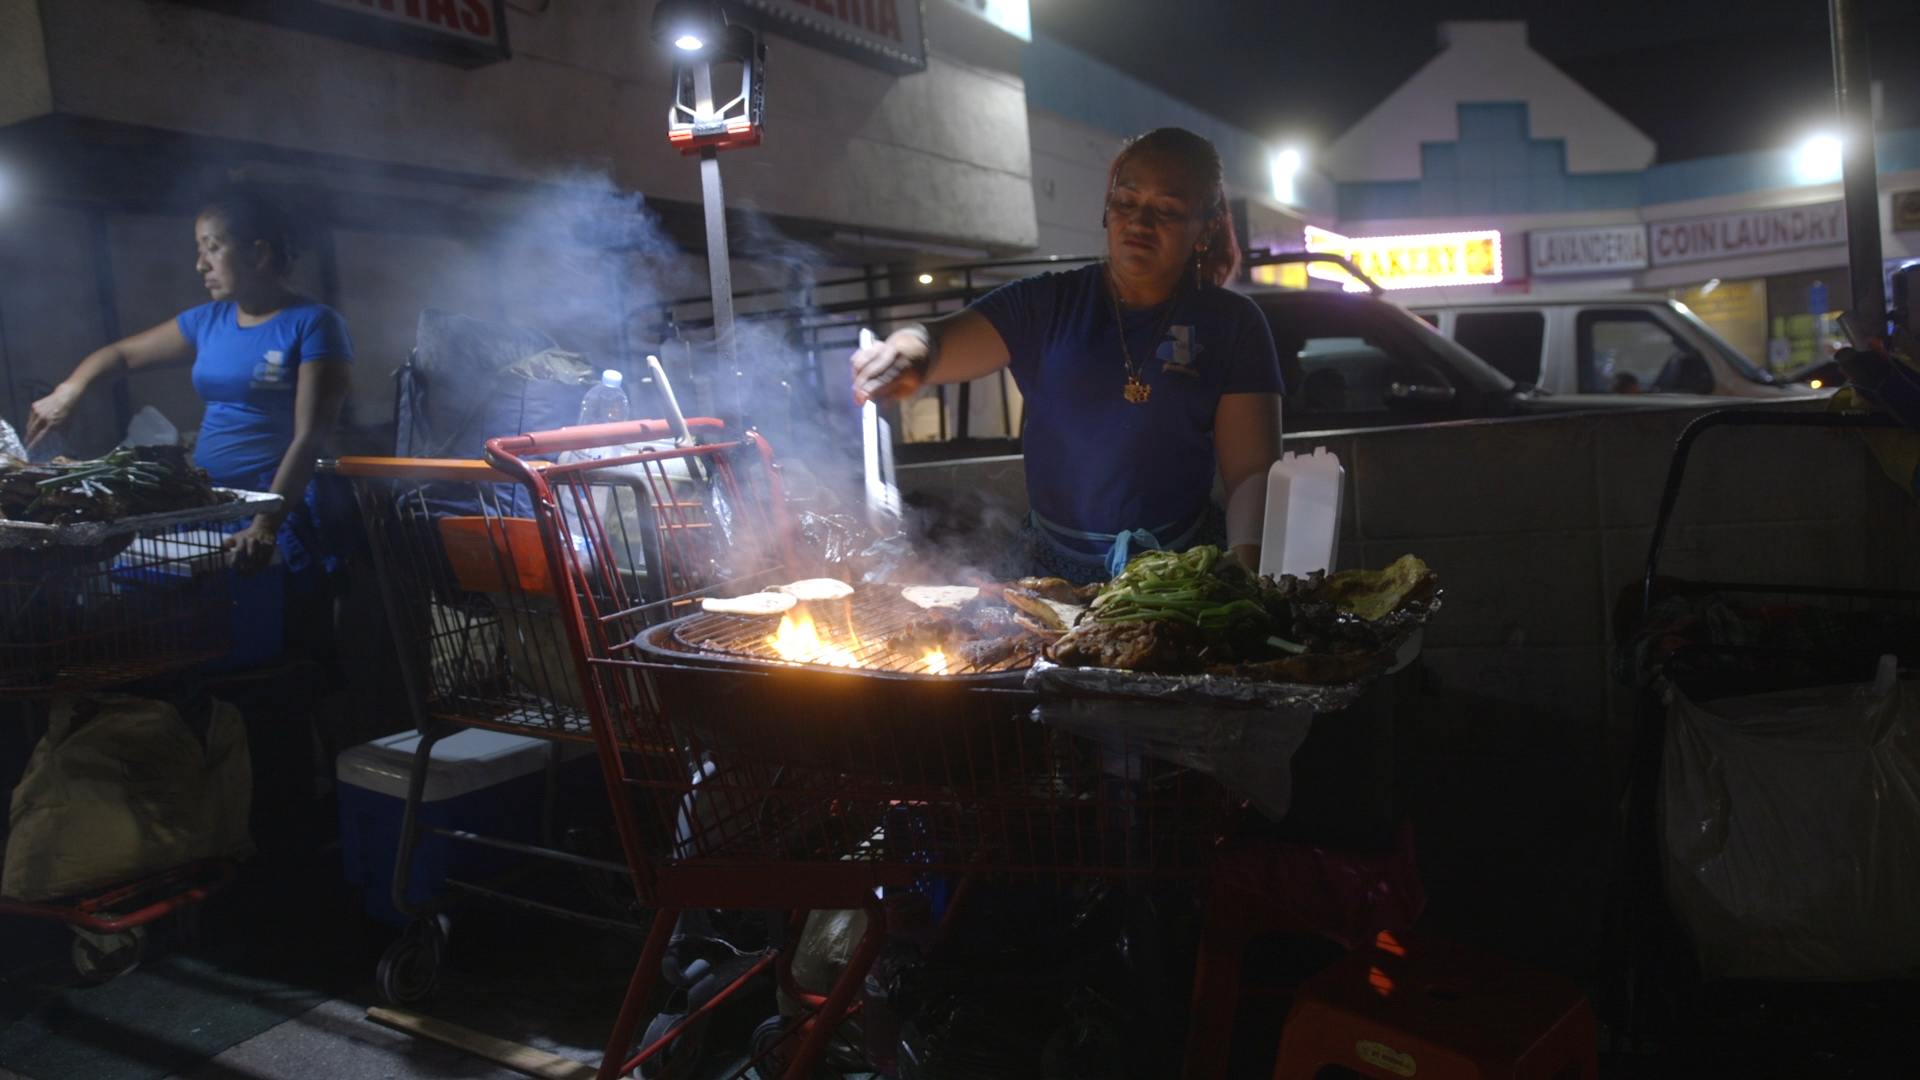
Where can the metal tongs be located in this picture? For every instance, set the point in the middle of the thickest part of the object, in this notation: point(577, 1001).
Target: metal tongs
point(876, 446)
point(682, 435)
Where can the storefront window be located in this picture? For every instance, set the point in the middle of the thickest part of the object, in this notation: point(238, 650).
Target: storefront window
point(1736, 310)
point(1803, 318)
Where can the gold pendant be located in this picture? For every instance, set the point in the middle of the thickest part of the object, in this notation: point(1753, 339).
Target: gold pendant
point(1137, 391)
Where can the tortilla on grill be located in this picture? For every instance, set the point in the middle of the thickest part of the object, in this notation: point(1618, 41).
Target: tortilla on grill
point(813, 590)
point(939, 596)
point(759, 603)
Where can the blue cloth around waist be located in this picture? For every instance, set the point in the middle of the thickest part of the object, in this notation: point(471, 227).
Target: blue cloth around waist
point(1044, 548)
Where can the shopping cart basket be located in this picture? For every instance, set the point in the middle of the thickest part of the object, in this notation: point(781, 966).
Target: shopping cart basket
point(471, 605)
point(743, 779)
point(96, 606)
point(1649, 953)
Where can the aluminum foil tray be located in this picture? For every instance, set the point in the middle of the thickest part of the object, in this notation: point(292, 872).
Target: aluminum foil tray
point(1050, 680)
point(33, 534)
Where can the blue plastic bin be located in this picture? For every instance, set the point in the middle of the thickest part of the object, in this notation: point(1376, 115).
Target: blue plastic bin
point(485, 782)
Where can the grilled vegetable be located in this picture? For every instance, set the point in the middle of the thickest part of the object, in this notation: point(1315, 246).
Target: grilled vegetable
point(129, 480)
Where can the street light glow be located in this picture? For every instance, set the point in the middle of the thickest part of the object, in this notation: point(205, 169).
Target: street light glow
point(689, 43)
point(1286, 166)
point(926, 279)
point(1818, 160)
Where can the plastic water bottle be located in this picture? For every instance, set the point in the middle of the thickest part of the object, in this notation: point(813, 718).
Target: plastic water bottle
point(605, 403)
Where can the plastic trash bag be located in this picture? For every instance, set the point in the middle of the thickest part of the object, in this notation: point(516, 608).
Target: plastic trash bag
point(120, 788)
point(1792, 830)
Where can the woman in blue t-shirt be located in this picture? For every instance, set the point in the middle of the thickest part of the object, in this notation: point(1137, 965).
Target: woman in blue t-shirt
point(273, 367)
point(1142, 375)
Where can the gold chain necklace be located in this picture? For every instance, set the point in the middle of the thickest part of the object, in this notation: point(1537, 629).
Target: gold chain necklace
point(1135, 391)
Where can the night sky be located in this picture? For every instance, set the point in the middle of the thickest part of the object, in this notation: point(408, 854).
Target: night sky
point(1699, 76)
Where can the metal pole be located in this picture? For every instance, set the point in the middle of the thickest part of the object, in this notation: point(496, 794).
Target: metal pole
point(1853, 87)
point(719, 268)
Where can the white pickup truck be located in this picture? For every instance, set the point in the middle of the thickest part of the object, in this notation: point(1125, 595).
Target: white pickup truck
point(1619, 343)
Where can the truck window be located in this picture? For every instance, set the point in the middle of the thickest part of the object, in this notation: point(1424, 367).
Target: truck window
point(1509, 340)
point(1631, 352)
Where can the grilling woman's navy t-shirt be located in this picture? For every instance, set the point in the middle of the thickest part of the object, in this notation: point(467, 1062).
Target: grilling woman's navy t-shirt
point(1095, 461)
point(247, 376)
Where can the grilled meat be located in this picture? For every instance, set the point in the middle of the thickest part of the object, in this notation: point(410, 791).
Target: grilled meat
point(982, 634)
point(129, 480)
point(1156, 645)
point(1059, 590)
point(1047, 615)
point(987, 652)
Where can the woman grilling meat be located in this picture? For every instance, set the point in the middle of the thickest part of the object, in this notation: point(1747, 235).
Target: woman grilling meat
point(274, 368)
point(1142, 374)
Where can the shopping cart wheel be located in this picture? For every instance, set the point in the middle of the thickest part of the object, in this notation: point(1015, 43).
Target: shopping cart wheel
point(776, 1038)
point(410, 967)
point(767, 1039)
point(102, 958)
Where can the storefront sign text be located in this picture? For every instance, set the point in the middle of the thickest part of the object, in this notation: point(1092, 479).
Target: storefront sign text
point(1588, 251)
point(1410, 262)
point(464, 32)
point(1759, 232)
point(887, 34)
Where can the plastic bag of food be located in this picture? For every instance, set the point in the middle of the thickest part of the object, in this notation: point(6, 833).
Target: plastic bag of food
point(1791, 827)
point(120, 788)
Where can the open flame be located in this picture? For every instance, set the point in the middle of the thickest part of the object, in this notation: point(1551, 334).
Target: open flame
point(936, 662)
point(798, 641)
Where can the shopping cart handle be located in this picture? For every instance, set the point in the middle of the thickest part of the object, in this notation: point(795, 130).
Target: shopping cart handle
point(591, 436)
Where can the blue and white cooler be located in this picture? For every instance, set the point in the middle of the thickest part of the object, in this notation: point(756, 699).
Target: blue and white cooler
point(486, 782)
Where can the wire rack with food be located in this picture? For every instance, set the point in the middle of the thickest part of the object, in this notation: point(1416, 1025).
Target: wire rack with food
point(1200, 612)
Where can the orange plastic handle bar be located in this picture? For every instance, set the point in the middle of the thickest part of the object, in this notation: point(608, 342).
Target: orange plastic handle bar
point(401, 468)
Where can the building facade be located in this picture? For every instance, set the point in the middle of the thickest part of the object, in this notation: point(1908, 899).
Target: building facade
point(523, 174)
point(1489, 137)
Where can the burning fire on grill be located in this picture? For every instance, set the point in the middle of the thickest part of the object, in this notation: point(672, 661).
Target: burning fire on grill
point(800, 640)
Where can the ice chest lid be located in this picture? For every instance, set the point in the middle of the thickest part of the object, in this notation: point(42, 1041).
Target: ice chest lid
point(464, 762)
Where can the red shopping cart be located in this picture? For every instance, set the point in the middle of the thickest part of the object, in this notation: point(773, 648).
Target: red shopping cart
point(759, 763)
point(94, 606)
point(470, 603)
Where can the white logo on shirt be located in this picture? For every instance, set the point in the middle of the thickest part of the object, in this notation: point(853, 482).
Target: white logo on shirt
point(271, 373)
point(1180, 351)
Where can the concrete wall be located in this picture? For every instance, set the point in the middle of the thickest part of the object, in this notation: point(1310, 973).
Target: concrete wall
point(1536, 526)
point(942, 154)
point(1070, 162)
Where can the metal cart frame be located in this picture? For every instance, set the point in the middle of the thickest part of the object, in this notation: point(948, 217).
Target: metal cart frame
point(420, 575)
point(1644, 930)
point(163, 588)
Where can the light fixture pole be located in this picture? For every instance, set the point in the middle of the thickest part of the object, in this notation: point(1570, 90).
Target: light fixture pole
point(699, 37)
point(1860, 180)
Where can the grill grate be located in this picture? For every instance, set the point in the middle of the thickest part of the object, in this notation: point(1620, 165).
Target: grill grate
point(857, 627)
